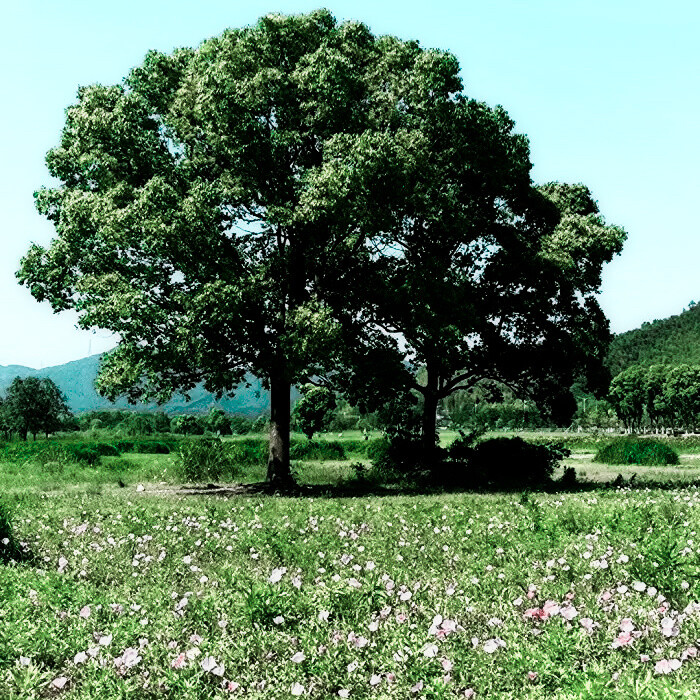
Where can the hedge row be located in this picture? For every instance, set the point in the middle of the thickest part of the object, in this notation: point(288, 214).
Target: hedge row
point(80, 451)
point(248, 451)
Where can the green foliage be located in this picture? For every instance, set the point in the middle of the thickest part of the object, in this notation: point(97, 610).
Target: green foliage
point(240, 425)
point(313, 412)
point(10, 549)
point(154, 447)
point(187, 424)
point(377, 448)
point(206, 459)
point(249, 452)
point(88, 454)
point(658, 396)
point(642, 451)
point(321, 450)
point(405, 458)
point(33, 405)
point(217, 422)
point(628, 393)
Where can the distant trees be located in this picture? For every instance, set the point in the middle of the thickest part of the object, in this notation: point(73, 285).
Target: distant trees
point(133, 423)
point(313, 412)
point(658, 397)
point(32, 406)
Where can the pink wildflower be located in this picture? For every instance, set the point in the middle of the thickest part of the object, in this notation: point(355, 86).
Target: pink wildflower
point(665, 666)
point(622, 640)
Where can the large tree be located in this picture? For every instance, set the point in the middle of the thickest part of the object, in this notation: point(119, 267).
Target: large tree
point(192, 214)
point(479, 274)
point(34, 405)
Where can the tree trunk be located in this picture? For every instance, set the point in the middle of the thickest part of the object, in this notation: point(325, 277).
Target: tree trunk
point(430, 403)
point(279, 474)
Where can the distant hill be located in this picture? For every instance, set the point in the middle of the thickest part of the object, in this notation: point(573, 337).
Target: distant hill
point(674, 340)
point(77, 381)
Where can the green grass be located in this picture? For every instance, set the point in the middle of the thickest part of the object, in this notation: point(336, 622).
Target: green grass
point(362, 581)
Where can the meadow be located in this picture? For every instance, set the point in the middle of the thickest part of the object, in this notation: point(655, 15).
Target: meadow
point(145, 590)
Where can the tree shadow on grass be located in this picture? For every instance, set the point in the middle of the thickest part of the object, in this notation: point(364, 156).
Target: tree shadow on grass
point(361, 488)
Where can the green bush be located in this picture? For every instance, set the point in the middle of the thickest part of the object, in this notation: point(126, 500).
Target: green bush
point(249, 452)
point(377, 448)
point(512, 462)
point(403, 459)
point(308, 449)
point(125, 445)
point(356, 447)
point(641, 451)
point(153, 448)
point(86, 454)
point(104, 449)
point(207, 459)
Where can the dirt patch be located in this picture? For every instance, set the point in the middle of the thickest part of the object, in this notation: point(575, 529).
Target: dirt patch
point(212, 490)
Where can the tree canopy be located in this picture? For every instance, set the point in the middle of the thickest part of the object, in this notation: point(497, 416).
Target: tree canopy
point(191, 213)
point(482, 275)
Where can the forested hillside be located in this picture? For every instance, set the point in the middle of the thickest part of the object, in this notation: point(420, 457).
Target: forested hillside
point(672, 340)
point(77, 381)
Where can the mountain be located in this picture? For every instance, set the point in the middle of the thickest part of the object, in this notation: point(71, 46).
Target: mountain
point(674, 340)
point(77, 381)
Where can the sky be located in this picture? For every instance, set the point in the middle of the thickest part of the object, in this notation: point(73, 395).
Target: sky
point(608, 92)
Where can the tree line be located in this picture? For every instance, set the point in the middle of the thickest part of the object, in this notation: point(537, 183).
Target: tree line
point(313, 204)
point(658, 397)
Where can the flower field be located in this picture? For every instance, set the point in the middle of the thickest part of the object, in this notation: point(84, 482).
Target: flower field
point(136, 594)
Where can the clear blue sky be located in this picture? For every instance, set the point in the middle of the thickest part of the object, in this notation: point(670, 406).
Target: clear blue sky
point(608, 92)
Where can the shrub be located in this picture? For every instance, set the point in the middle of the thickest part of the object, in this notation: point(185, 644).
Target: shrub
point(240, 425)
point(645, 452)
point(404, 458)
point(124, 445)
point(87, 454)
point(308, 449)
point(104, 449)
point(152, 448)
point(249, 452)
point(376, 449)
point(512, 462)
point(205, 459)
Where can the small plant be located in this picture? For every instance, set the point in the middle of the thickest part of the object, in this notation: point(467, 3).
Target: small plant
point(10, 549)
point(53, 459)
point(569, 478)
point(644, 452)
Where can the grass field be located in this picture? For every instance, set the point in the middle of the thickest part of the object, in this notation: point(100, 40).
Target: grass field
point(141, 591)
